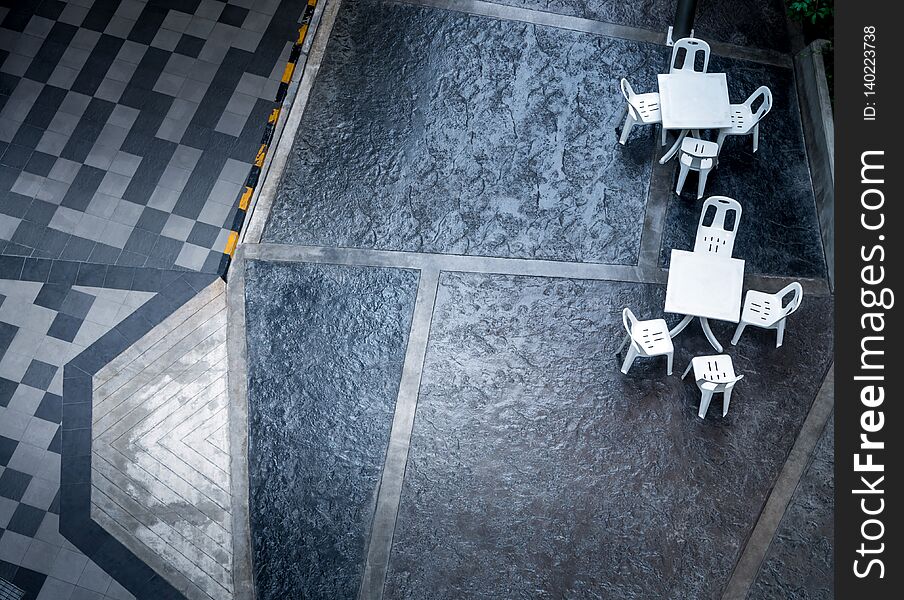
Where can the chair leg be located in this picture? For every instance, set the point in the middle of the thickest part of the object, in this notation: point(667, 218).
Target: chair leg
point(704, 403)
point(682, 175)
point(737, 333)
point(780, 337)
point(756, 137)
point(726, 400)
point(720, 140)
point(629, 360)
point(626, 129)
point(688, 369)
point(669, 358)
point(701, 184)
point(623, 344)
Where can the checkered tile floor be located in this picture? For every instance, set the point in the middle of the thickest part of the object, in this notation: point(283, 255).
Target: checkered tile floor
point(127, 128)
point(42, 326)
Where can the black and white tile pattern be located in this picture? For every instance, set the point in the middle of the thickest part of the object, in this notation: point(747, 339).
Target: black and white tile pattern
point(127, 128)
point(54, 322)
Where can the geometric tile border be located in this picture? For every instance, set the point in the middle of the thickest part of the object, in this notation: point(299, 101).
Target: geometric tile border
point(76, 523)
point(160, 456)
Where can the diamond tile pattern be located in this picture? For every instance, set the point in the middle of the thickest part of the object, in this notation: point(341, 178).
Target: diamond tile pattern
point(127, 128)
point(115, 114)
point(31, 547)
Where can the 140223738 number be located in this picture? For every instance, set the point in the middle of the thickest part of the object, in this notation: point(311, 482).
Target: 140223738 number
point(869, 60)
point(869, 72)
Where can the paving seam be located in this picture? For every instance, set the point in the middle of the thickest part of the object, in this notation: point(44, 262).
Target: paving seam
point(237, 390)
point(754, 552)
point(390, 491)
point(583, 25)
point(140, 548)
point(656, 209)
point(493, 265)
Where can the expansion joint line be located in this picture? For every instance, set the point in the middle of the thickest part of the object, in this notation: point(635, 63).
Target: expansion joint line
point(390, 491)
point(266, 140)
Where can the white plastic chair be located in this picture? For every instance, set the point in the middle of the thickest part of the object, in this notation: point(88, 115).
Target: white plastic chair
point(647, 338)
point(640, 108)
point(744, 120)
point(714, 374)
point(768, 311)
point(716, 238)
point(697, 155)
point(691, 47)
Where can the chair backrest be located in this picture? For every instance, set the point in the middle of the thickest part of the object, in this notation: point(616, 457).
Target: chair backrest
point(798, 294)
point(629, 320)
point(628, 92)
point(720, 371)
point(716, 238)
point(764, 107)
point(626, 89)
point(691, 47)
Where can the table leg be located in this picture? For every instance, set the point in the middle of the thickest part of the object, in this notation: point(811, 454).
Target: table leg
point(674, 149)
point(704, 323)
point(680, 326)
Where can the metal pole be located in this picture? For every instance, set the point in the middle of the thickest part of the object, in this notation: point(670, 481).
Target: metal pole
point(684, 19)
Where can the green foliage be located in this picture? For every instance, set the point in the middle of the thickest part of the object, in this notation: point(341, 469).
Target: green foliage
point(811, 10)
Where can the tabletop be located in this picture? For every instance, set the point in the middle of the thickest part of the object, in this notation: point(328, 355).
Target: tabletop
point(705, 285)
point(694, 100)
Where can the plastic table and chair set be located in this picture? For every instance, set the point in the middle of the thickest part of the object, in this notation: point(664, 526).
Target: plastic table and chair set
point(706, 283)
point(690, 100)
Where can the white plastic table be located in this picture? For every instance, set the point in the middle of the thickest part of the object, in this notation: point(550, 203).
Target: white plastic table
point(704, 285)
point(693, 101)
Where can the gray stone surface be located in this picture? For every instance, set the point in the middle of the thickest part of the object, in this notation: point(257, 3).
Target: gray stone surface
point(779, 231)
point(325, 352)
point(538, 471)
point(436, 131)
point(799, 563)
point(757, 23)
point(819, 133)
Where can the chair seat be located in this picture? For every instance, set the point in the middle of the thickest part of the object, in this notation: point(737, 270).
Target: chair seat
point(715, 369)
point(698, 154)
point(653, 337)
point(761, 309)
point(742, 120)
point(647, 106)
point(699, 148)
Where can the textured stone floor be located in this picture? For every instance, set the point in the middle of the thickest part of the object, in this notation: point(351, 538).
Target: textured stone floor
point(538, 470)
point(470, 147)
point(800, 562)
point(325, 348)
point(467, 135)
point(753, 23)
